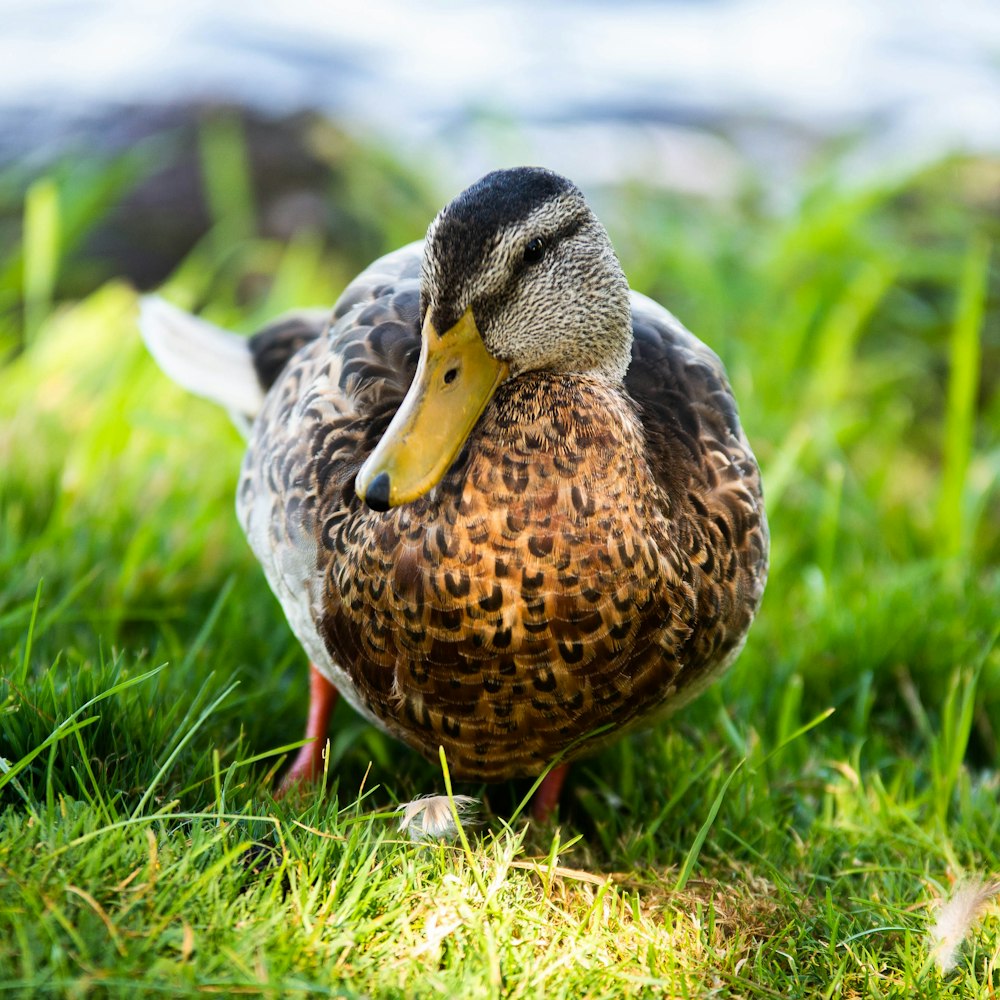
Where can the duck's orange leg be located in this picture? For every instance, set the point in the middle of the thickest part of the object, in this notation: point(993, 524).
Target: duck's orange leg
point(308, 765)
point(545, 801)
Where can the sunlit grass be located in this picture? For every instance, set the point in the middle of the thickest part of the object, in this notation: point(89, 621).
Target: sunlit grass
point(759, 845)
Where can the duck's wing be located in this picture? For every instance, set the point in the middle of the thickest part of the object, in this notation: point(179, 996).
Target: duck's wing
point(330, 402)
point(700, 457)
point(275, 345)
point(332, 395)
point(369, 302)
point(381, 276)
point(375, 339)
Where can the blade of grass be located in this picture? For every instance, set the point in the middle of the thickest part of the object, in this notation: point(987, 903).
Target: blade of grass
point(457, 820)
point(522, 805)
point(837, 338)
point(207, 626)
point(692, 855)
point(801, 731)
point(953, 533)
point(41, 253)
point(30, 637)
point(691, 858)
point(181, 743)
point(225, 171)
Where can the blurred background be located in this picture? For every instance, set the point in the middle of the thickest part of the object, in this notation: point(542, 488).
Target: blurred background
point(701, 97)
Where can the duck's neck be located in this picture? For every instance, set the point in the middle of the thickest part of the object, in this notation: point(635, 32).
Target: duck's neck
point(560, 412)
point(551, 439)
point(548, 449)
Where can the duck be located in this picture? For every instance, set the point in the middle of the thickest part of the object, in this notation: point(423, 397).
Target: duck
point(505, 501)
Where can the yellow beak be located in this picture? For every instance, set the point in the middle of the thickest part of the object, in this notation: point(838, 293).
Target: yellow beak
point(455, 379)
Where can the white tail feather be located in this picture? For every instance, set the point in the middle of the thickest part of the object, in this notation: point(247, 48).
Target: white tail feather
point(203, 358)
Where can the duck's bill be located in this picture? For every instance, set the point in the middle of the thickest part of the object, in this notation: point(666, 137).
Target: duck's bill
point(455, 379)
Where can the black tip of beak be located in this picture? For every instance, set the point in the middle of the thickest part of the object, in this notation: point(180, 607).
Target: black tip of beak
point(377, 494)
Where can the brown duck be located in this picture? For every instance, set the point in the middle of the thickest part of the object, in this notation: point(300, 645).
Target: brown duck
point(505, 502)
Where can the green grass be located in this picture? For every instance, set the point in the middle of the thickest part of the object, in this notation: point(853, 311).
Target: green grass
point(787, 836)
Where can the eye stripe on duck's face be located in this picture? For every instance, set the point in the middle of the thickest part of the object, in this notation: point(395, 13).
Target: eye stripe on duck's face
point(550, 242)
point(488, 305)
point(472, 250)
point(507, 272)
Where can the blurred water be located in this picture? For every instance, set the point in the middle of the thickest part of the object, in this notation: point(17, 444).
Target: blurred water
point(668, 89)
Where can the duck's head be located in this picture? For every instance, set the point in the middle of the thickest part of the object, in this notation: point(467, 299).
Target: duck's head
point(518, 276)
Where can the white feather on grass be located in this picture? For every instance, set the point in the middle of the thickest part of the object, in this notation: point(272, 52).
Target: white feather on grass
point(956, 917)
point(430, 817)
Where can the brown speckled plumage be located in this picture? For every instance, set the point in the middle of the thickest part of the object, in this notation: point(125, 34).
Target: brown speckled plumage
point(591, 560)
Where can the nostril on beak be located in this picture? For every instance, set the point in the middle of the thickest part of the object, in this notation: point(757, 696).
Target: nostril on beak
point(377, 494)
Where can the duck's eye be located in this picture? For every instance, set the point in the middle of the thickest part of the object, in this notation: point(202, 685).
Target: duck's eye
point(534, 251)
